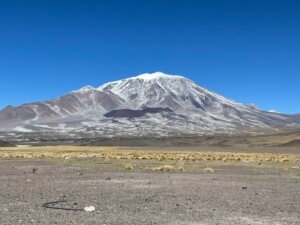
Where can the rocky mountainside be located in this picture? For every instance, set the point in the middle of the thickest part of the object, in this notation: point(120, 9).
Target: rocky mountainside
point(148, 104)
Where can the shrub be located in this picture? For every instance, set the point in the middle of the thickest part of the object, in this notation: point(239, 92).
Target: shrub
point(128, 167)
point(168, 168)
point(164, 168)
point(209, 170)
point(181, 168)
point(285, 160)
point(162, 158)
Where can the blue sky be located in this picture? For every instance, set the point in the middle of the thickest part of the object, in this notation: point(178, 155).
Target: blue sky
point(248, 51)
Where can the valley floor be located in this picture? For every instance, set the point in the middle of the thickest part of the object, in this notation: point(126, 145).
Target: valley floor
point(137, 191)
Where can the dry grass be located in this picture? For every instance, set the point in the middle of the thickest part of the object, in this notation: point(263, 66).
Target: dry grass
point(285, 160)
point(128, 167)
point(164, 168)
point(108, 153)
point(181, 168)
point(209, 170)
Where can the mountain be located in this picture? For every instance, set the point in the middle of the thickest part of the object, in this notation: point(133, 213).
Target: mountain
point(148, 104)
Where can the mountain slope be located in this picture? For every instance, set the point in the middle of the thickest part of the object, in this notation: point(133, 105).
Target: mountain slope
point(85, 102)
point(136, 106)
point(185, 97)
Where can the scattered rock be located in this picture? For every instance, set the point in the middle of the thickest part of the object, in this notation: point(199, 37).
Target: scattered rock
point(148, 200)
point(80, 174)
point(244, 188)
point(108, 178)
point(34, 170)
point(89, 209)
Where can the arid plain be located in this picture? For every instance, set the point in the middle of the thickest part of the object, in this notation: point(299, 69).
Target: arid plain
point(254, 182)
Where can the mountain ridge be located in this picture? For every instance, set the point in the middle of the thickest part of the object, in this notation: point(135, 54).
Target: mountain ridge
point(195, 110)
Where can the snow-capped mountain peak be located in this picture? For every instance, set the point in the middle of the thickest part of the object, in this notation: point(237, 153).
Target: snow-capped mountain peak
point(143, 78)
point(168, 91)
point(157, 75)
point(155, 103)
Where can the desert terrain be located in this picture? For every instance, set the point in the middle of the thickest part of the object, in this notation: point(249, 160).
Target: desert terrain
point(152, 185)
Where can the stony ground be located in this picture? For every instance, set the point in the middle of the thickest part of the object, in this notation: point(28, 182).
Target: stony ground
point(230, 195)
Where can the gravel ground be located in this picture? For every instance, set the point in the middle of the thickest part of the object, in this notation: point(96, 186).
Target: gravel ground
point(232, 195)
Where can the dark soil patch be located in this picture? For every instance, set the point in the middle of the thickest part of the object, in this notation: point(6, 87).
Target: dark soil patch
point(293, 143)
point(5, 144)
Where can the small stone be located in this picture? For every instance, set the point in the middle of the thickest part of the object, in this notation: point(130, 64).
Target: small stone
point(244, 188)
point(89, 209)
point(80, 174)
point(108, 178)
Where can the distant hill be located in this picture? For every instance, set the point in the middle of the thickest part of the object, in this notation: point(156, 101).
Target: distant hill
point(293, 143)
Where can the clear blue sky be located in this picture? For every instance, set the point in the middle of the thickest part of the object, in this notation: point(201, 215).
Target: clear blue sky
point(245, 50)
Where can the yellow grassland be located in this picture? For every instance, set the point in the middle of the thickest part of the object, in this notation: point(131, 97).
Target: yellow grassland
point(111, 153)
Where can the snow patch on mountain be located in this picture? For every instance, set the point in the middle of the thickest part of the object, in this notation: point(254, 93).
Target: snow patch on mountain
point(85, 89)
point(156, 75)
point(22, 129)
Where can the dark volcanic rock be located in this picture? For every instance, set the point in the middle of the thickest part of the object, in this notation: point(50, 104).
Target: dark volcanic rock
point(129, 113)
